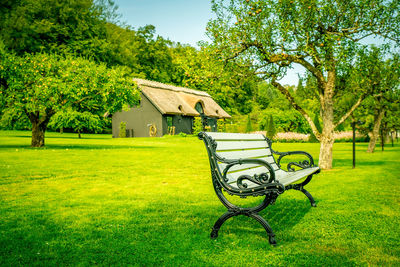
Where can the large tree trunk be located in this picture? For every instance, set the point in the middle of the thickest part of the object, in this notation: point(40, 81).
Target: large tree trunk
point(326, 139)
point(375, 131)
point(38, 130)
point(39, 126)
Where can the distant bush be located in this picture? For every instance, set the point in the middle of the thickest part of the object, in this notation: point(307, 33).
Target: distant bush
point(285, 121)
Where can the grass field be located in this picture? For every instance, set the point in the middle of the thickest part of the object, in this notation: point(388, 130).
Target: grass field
point(149, 201)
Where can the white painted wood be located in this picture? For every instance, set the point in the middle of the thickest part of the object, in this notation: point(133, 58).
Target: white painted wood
point(244, 154)
point(235, 136)
point(236, 145)
point(287, 178)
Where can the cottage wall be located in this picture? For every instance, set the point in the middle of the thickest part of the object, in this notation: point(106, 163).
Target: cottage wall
point(138, 119)
point(183, 124)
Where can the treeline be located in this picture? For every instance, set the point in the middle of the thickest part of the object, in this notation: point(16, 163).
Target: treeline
point(92, 30)
point(41, 39)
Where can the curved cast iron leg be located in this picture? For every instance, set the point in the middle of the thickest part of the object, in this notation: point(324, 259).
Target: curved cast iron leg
point(219, 222)
point(310, 197)
point(264, 223)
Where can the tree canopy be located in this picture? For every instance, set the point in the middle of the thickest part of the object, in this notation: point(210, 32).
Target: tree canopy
point(322, 36)
point(41, 85)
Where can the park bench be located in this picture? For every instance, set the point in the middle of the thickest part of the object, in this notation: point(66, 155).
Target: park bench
point(243, 165)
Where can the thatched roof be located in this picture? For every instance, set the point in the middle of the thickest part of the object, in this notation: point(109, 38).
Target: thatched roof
point(170, 99)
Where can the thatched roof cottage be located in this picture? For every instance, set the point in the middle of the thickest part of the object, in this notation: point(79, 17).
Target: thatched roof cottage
point(165, 106)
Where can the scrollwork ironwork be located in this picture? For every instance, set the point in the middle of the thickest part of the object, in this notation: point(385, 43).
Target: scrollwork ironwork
point(302, 164)
point(258, 179)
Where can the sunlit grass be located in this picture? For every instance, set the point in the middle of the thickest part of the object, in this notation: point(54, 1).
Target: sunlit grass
point(149, 201)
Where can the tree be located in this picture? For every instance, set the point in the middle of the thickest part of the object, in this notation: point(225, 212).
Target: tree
point(79, 121)
point(41, 85)
point(249, 127)
point(322, 36)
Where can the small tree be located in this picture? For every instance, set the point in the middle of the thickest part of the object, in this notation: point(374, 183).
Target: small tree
point(79, 121)
point(249, 127)
point(271, 131)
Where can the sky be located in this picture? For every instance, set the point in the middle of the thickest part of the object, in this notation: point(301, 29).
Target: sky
point(182, 21)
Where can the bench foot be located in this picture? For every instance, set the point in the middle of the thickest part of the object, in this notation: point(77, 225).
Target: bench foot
point(310, 197)
point(252, 214)
point(272, 240)
point(214, 233)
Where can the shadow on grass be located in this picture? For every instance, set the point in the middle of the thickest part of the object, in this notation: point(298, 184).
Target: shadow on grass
point(282, 216)
point(66, 137)
point(77, 147)
point(359, 163)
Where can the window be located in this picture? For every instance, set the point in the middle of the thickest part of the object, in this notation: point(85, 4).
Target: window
point(199, 108)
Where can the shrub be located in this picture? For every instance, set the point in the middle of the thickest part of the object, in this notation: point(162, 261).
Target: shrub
point(122, 129)
point(285, 121)
point(197, 125)
point(249, 128)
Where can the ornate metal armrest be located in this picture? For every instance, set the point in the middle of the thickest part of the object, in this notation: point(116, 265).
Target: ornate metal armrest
point(265, 182)
point(302, 164)
point(263, 178)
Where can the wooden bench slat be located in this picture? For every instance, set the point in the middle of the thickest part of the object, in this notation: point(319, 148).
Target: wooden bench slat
point(235, 136)
point(245, 154)
point(236, 145)
point(291, 177)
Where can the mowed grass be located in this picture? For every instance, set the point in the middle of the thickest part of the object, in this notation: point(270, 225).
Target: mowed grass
point(149, 201)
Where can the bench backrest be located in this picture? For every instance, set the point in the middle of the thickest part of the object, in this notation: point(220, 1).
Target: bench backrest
point(240, 146)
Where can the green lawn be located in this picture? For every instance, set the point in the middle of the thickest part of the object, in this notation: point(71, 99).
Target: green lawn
point(149, 201)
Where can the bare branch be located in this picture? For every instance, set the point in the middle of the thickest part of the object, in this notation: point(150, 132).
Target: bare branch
point(292, 101)
point(345, 116)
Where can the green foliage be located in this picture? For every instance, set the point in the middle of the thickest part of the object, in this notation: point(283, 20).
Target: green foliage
point(221, 125)
point(182, 134)
point(42, 85)
point(32, 26)
point(79, 121)
point(197, 125)
point(271, 131)
point(285, 121)
point(122, 129)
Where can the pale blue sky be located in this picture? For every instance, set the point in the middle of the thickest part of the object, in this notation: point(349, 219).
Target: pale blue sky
point(181, 21)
